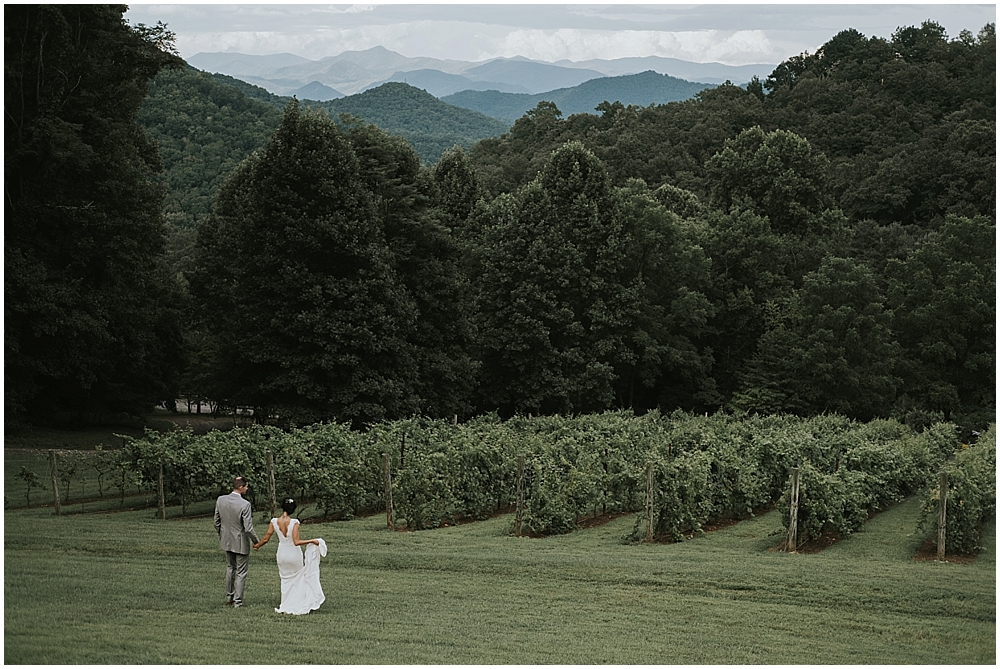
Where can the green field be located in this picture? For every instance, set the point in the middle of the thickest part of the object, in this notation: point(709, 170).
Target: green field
point(125, 588)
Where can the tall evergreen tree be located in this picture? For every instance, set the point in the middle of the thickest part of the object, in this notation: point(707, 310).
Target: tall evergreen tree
point(427, 258)
point(89, 325)
point(457, 185)
point(750, 271)
point(308, 312)
point(554, 303)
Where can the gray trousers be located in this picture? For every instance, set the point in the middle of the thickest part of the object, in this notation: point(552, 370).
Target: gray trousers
point(237, 566)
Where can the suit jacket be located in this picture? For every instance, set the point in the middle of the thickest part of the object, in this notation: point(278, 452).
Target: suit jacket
point(234, 523)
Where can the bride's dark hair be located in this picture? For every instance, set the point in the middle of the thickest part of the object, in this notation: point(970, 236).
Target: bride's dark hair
point(288, 505)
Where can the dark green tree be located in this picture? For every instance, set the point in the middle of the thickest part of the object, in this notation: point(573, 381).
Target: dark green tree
point(90, 313)
point(943, 297)
point(555, 303)
point(751, 268)
point(458, 188)
point(775, 174)
point(299, 287)
point(668, 363)
point(829, 349)
point(681, 202)
point(427, 259)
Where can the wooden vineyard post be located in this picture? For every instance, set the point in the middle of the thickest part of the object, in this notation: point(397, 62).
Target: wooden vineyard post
point(55, 480)
point(793, 514)
point(390, 521)
point(942, 515)
point(649, 501)
point(270, 483)
point(520, 495)
point(161, 501)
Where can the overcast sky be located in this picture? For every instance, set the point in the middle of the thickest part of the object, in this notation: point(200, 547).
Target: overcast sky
point(734, 34)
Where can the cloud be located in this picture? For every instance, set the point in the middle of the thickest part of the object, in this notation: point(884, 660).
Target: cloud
point(734, 47)
point(314, 43)
point(480, 42)
point(734, 34)
point(461, 31)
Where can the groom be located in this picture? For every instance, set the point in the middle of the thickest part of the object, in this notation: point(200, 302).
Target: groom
point(236, 535)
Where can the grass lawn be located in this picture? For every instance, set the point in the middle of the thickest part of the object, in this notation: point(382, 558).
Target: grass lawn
point(125, 588)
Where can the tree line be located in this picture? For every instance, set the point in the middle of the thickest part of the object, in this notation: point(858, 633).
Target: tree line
point(776, 248)
point(341, 281)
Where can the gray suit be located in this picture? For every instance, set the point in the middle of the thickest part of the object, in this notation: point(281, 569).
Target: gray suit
point(234, 524)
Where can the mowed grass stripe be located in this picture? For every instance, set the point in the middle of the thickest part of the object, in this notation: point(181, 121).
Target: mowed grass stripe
point(127, 588)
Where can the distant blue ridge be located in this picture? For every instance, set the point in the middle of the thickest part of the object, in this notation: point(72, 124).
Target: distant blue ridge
point(641, 89)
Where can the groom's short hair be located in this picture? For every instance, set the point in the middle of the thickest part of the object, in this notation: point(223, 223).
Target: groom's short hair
point(239, 482)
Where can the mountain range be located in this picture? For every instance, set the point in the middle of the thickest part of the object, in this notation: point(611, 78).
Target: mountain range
point(355, 71)
point(509, 76)
point(436, 109)
point(433, 124)
point(429, 124)
point(641, 89)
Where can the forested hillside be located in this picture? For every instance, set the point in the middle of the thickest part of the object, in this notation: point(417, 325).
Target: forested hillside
point(204, 129)
point(908, 126)
point(819, 242)
point(206, 124)
point(430, 125)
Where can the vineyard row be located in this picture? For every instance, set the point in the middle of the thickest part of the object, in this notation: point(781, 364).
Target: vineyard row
point(703, 469)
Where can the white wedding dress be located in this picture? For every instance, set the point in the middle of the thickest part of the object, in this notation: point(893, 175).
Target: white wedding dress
point(300, 588)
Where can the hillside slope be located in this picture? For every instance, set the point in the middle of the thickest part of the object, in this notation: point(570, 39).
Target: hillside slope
point(204, 127)
point(206, 124)
point(430, 125)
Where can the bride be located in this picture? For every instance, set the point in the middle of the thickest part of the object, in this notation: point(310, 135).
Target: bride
point(300, 587)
